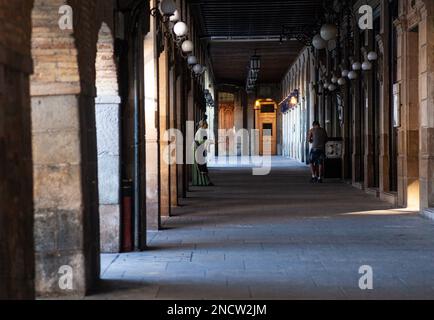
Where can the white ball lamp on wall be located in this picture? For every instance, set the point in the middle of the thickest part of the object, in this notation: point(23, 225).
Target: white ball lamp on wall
point(175, 17)
point(372, 56)
point(332, 87)
point(167, 8)
point(329, 32)
point(192, 60)
point(366, 66)
point(352, 75)
point(318, 42)
point(357, 66)
point(198, 69)
point(187, 46)
point(180, 29)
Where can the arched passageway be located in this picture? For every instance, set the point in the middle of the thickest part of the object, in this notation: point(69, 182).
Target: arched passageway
point(88, 90)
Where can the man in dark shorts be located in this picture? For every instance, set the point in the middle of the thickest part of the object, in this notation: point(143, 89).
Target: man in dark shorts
point(318, 138)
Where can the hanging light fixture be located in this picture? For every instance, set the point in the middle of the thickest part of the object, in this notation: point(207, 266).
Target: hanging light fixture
point(352, 75)
point(187, 46)
point(357, 66)
point(372, 56)
point(318, 42)
point(345, 73)
point(334, 79)
point(341, 81)
point(366, 66)
point(180, 29)
point(192, 60)
point(332, 87)
point(167, 8)
point(175, 17)
point(255, 63)
point(198, 69)
point(329, 32)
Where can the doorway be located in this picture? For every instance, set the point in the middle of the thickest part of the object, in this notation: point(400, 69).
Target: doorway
point(266, 123)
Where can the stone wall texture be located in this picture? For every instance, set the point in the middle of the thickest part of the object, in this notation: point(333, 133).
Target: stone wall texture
point(63, 90)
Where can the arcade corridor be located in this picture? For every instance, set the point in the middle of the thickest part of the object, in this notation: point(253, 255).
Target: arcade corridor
point(277, 237)
point(111, 112)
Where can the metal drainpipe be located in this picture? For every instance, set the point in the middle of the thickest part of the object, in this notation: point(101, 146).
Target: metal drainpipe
point(136, 166)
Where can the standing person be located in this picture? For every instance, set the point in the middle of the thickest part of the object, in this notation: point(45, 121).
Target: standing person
point(318, 138)
point(200, 168)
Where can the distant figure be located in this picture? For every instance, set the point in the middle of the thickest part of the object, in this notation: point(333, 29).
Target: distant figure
point(318, 138)
point(200, 168)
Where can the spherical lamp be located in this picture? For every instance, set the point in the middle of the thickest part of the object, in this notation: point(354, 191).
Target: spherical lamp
point(175, 17)
point(192, 60)
point(187, 46)
point(352, 75)
point(329, 32)
point(366, 66)
point(341, 81)
point(197, 69)
point(372, 56)
point(334, 79)
point(180, 29)
point(345, 73)
point(332, 87)
point(318, 42)
point(167, 7)
point(357, 66)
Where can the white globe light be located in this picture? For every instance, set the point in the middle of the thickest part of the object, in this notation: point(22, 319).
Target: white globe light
point(187, 46)
point(167, 7)
point(191, 60)
point(341, 81)
point(334, 79)
point(332, 87)
point(345, 73)
point(326, 85)
point(372, 56)
point(197, 69)
point(352, 75)
point(180, 29)
point(366, 66)
point(318, 42)
point(357, 66)
point(329, 32)
point(175, 17)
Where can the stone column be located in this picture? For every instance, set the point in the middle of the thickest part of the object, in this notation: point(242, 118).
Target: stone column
point(408, 134)
point(426, 87)
point(108, 139)
point(384, 43)
point(16, 194)
point(173, 101)
point(151, 129)
point(163, 109)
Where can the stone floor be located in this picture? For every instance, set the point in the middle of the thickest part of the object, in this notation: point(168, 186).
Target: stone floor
point(277, 237)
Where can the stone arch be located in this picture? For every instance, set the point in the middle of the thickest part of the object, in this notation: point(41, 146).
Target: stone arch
point(107, 118)
point(64, 148)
